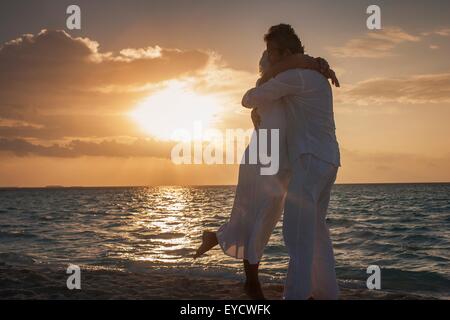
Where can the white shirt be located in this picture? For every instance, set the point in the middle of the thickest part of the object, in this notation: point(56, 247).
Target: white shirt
point(307, 99)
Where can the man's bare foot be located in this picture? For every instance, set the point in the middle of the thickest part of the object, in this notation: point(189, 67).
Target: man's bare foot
point(209, 241)
point(254, 291)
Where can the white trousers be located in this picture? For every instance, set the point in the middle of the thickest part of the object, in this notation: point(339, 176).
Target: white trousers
point(311, 270)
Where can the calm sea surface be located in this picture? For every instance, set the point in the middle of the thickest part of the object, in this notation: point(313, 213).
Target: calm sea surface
point(403, 228)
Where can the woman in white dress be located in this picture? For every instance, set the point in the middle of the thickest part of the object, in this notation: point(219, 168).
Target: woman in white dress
point(259, 199)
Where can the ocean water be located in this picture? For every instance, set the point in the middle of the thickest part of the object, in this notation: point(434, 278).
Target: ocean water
point(402, 228)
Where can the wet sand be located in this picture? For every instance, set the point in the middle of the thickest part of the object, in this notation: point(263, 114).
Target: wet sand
point(16, 283)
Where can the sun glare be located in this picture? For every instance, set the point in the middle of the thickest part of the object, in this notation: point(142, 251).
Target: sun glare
point(174, 108)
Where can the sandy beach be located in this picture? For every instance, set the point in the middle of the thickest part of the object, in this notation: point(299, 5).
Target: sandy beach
point(43, 283)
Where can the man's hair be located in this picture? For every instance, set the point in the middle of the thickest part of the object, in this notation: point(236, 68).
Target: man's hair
point(285, 37)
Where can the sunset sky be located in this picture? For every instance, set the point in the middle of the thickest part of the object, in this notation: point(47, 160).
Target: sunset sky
point(96, 107)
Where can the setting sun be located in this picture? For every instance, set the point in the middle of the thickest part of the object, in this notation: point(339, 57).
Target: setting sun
point(176, 107)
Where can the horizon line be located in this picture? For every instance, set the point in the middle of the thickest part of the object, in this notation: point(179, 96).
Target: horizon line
point(193, 185)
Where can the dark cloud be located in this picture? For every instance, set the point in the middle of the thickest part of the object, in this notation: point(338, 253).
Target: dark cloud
point(430, 88)
point(78, 148)
point(52, 127)
point(59, 86)
point(55, 59)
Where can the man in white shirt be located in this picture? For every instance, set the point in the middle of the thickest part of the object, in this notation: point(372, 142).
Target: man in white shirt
point(314, 158)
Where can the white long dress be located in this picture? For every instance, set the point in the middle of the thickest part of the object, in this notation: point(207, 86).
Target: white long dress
point(259, 199)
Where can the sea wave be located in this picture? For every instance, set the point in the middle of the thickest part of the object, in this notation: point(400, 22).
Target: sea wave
point(405, 229)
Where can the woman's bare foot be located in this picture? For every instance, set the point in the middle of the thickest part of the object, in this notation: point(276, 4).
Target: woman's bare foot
point(209, 241)
point(254, 291)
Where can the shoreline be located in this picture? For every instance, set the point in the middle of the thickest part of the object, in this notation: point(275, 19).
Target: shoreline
point(24, 283)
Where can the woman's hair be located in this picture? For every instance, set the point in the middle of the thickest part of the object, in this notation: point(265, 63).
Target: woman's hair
point(285, 37)
point(264, 63)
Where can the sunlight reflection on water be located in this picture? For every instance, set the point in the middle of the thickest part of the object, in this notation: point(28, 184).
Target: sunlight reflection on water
point(404, 228)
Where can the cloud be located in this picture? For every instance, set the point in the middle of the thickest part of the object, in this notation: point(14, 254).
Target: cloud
point(55, 127)
point(78, 148)
point(59, 83)
point(55, 88)
point(54, 55)
point(53, 70)
point(61, 96)
point(374, 44)
point(444, 32)
point(429, 88)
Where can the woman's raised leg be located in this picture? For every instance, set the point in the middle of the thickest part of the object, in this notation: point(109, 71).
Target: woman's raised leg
point(209, 241)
